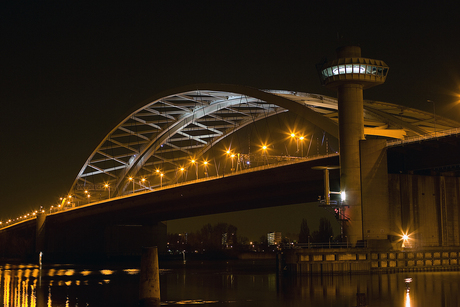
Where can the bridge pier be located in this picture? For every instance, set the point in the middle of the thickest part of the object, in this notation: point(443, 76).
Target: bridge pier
point(40, 233)
point(351, 132)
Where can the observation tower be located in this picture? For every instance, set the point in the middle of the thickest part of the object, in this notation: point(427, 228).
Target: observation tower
point(349, 75)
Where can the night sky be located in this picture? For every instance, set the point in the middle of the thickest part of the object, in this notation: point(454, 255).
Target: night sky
point(71, 71)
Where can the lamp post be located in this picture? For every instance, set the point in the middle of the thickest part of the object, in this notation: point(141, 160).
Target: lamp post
point(193, 161)
point(107, 186)
point(142, 182)
point(301, 144)
point(205, 164)
point(132, 179)
point(434, 115)
point(264, 151)
point(232, 156)
point(182, 169)
point(161, 180)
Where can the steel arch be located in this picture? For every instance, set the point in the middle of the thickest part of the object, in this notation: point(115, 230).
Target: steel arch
point(181, 123)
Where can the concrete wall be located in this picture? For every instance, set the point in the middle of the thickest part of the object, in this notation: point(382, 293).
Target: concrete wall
point(427, 207)
point(374, 188)
point(353, 261)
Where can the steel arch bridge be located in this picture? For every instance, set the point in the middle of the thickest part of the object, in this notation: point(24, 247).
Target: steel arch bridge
point(181, 124)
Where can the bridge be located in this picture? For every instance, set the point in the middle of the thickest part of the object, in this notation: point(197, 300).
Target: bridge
point(212, 148)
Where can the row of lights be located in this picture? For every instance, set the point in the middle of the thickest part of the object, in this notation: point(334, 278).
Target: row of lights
point(22, 217)
point(193, 161)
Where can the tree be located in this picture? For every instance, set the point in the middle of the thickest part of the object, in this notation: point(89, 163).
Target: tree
point(325, 231)
point(304, 232)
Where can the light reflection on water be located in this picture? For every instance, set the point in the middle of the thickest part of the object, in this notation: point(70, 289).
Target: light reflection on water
point(220, 284)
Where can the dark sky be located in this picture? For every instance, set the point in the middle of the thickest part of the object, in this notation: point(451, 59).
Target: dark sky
point(71, 71)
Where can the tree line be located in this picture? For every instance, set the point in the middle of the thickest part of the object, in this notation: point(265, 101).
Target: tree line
point(223, 236)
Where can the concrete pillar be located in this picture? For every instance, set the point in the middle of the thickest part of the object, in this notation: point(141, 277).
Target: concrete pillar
point(349, 75)
point(40, 233)
point(375, 199)
point(351, 131)
point(149, 284)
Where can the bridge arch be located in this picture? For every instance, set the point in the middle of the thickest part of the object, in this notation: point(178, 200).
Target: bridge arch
point(177, 124)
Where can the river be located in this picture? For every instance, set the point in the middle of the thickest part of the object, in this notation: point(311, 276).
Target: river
point(219, 283)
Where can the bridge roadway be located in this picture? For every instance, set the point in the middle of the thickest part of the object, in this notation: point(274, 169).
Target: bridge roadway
point(273, 185)
point(124, 224)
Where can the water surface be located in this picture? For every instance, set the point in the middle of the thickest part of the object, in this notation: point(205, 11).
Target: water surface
point(232, 283)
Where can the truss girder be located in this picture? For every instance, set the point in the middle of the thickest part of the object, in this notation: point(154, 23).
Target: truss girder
point(188, 121)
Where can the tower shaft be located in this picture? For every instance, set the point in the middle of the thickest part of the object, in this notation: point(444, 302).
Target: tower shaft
point(351, 131)
point(349, 75)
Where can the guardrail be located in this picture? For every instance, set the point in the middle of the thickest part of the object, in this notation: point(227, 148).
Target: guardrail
point(418, 138)
point(56, 210)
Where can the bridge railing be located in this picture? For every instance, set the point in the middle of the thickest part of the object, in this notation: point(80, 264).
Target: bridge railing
point(418, 138)
point(243, 171)
point(56, 210)
point(325, 245)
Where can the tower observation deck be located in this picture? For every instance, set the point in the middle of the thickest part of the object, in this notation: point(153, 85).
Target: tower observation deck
point(349, 75)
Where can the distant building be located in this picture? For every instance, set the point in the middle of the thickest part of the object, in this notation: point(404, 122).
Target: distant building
point(228, 240)
point(274, 238)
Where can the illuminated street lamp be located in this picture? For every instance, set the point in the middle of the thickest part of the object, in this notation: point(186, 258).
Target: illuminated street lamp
point(161, 180)
point(232, 156)
point(132, 179)
point(264, 151)
point(301, 144)
point(405, 239)
point(143, 181)
point(205, 165)
point(193, 161)
point(107, 186)
point(182, 169)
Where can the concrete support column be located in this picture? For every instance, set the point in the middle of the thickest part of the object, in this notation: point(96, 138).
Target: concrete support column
point(351, 131)
point(40, 232)
point(349, 75)
point(149, 287)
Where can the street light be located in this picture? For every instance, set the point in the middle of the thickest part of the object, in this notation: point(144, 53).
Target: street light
point(205, 164)
point(301, 144)
point(264, 151)
point(182, 169)
point(132, 179)
point(142, 182)
point(161, 180)
point(405, 238)
point(193, 161)
point(107, 186)
point(232, 156)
